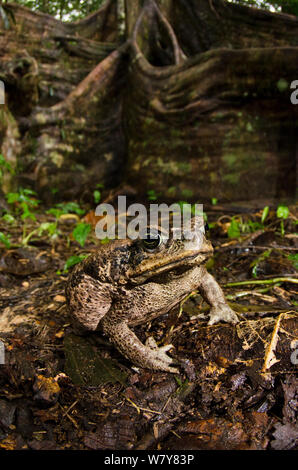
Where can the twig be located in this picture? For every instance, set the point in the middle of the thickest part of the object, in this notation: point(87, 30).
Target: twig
point(262, 281)
point(247, 292)
point(70, 408)
point(254, 247)
point(270, 357)
point(139, 408)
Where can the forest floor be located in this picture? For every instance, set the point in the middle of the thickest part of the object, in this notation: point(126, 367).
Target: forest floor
point(238, 384)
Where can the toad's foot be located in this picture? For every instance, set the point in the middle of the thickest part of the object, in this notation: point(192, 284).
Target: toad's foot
point(222, 312)
point(149, 355)
point(157, 357)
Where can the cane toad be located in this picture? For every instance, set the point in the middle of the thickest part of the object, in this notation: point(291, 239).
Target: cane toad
point(129, 282)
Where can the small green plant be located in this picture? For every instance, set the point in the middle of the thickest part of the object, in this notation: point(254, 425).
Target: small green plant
point(238, 227)
point(55, 212)
point(255, 264)
point(96, 196)
point(252, 226)
point(50, 227)
point(234, 229)
point(152, 195)
point(265, 214)
point(282, 212)
point(9, 218)
point(81, 233)
point(68, 208)
point(97, 193)
point(4, 239)
point(25, 202)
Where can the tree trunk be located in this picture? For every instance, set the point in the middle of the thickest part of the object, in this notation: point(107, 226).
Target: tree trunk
point(192, 100)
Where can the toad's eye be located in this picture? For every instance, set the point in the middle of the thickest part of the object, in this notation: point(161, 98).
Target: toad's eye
point(151, 241)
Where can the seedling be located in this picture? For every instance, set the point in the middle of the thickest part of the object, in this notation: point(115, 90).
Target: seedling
point(255, 264)
point(282, 213)
point(81, 233)
point(152, 195)
point(234, 229)
point(265, 214)
point(97, 196)
point(25, 201)
point(69, 208)
point(50, 227)
point(4, 239)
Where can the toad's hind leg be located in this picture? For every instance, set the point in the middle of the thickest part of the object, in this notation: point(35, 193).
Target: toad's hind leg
point(132, 348)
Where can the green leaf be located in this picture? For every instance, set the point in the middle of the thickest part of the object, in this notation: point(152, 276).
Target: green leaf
point(234, 229)
point(151, 194)
point(8, 218)
point(50, 227)
point(253, 226)
point(29, 192)
point(265, 214)
point(282, 212)
point(4, 239)
point(27, 214)
point(12, 197)
point(55, 212)
point(97, 196)
point(81, 233)
point(73, 260)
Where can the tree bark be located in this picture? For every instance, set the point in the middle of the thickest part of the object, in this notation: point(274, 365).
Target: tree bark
point(192, 100)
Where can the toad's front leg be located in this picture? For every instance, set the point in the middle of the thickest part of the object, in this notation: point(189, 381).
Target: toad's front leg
point(214, 296)
point(130, 346)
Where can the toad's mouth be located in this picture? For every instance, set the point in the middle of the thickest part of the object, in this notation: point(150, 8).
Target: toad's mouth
point(164, 276)
point(174, 268)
